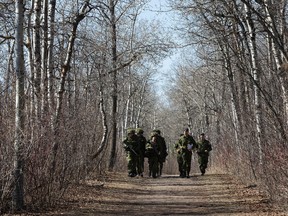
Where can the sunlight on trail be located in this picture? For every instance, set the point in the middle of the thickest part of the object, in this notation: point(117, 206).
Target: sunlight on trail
point(211, 194)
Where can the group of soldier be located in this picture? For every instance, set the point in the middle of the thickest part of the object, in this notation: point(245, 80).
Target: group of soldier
point(184, 148)
point(137, 147)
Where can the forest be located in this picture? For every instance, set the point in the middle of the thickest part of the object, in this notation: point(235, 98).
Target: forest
point(76, 74)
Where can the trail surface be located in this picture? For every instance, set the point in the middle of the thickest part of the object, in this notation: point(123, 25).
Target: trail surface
point(212, 194)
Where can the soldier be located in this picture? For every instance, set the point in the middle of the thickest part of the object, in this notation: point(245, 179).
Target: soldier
point(131, 146)
point(203, 149)
point(142, 142)
point(179, 157)
point(163, 150)
point(152, 152)
point(184, 147)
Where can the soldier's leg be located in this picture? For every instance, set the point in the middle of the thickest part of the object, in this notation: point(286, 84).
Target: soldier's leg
point(130, 165)
point(160, 168)
point(186, 163)
point(142, 164)
point(180, 164)
point(155, 167)
point(189, 157)
point(150, 165)
point(203, 160)
point(139, 165)
point(133, 165)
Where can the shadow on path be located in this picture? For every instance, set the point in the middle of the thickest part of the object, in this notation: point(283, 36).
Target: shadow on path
point(212, 194)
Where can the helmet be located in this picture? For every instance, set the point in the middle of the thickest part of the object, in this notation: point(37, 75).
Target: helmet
point(130, 131)
point(139, 131)
point(157, 131)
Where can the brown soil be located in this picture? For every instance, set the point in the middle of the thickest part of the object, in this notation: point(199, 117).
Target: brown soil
point(212, 194)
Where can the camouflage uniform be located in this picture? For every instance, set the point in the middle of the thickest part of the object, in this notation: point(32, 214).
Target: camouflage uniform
point(184, 154)
point(203, 149)
point(152, 152)
point(179, 158)
point(131, 146)
point(142, 142)
point(163, 149)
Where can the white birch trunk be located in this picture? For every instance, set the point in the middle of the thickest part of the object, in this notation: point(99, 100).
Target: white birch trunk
point(50, 59)
point(43, 85)
point(127, 105)
point(37, 57)
point(255, 73)
point(104, 120)
point(235, 108)
point(113, 33)
point(18, 190)
point(141, 102)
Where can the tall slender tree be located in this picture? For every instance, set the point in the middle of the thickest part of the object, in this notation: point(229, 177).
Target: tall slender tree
point(18, 190)
point(113, 32)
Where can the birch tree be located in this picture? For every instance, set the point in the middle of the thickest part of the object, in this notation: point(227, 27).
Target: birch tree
point(36, 61)
point(18, 172)
point(50, 54)
point(255, 72)
point(113, 32)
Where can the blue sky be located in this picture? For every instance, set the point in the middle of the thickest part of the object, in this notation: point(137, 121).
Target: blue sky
point(156, 11)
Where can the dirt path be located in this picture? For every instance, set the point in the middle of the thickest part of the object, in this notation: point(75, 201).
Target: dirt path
point(211, 194)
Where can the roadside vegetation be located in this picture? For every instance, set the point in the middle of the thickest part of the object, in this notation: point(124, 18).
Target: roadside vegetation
point(74, 75)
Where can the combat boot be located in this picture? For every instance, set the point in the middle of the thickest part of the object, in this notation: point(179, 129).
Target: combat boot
point(160, 172)
point(202, 172)
point(183, 174)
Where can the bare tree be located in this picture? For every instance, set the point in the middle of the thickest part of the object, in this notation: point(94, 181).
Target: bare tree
point(245, 40)
point(81, 14)
point(251, 40)
point(18, 172)
point(113, 32)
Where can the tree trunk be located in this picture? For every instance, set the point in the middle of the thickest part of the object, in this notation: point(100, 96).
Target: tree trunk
point(141, 102)
point(129, 95)
point(235, 107)
point(44, 59)
point(187, 112)
point(37, 58)
point(104, 120)
point(18, 190)
point(251, 40)
point(114, 83)
point(50, 59)
point(65, 68)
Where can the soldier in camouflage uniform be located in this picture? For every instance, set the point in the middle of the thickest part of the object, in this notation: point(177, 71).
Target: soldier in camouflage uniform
point(142, 142)
point(131, 146)
point(179, 157)
point(152, 152)
point(203, 149)
point(163, 149)
point(184, 147)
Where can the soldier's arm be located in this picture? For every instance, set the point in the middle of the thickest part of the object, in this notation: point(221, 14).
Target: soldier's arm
point(209, 146)
point(124, 142)
point(164, 144)
point(177, 146)
point(193, 141)
point(126, 145)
